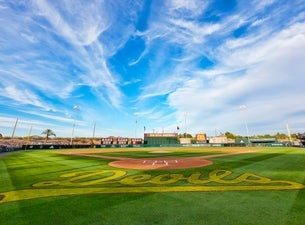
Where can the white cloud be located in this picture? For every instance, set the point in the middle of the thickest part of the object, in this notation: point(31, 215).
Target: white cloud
point(272, 86)
point(259, 21)
point(87, 22)
point(23, 97)
point(259, 5)
point(56, 118)
point(63, 52)
point(187, 32)
point(134, 81)
point(32, 40)
point(188, 8)
point(25, 125)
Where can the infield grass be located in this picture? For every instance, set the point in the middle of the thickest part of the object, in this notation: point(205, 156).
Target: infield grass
point(21, 170)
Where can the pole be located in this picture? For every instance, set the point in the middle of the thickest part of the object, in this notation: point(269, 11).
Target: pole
point(29, 138)
point(14, 128)
point(185, 114)
point(289, 134)
point(93, 133)
point(244, 108)
point(136, 120)
point(75, 108)
point(71, 142)
point(247, 132)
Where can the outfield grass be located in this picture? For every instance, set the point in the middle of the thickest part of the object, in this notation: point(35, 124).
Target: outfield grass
point(22, 170)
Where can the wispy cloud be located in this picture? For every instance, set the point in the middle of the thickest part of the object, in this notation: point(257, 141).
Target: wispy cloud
point(23, 97)
point(84, 25)
point(264, 86)
point(158, 58)
point(244, 70)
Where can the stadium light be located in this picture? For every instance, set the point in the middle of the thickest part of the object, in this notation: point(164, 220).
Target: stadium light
point(75, 108)
point(244, 110)
point(185, 114)
point(14, 129)
point(136, 123)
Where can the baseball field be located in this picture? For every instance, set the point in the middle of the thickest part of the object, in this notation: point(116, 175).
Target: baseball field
point(187, 185)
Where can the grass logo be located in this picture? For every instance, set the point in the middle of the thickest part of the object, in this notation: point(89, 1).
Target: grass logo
point(119, 181)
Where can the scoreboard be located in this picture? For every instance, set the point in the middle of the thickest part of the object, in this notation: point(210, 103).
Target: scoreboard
point(160, 135)
point(160, 138)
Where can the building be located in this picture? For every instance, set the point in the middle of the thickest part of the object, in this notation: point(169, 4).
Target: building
point(221, 139)
point(121, 141)
point(185, 141)
point(136, 141)
point(107, 141)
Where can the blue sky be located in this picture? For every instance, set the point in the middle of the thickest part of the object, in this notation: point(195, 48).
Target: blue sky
point(162, 63)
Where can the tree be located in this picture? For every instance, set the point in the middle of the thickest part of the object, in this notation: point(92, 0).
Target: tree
point(48, 133)
point(230, 135)
point(265, 136)
point(281, 136)
point(183, 135)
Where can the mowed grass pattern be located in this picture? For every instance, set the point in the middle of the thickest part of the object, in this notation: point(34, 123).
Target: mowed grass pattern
point(19, 170)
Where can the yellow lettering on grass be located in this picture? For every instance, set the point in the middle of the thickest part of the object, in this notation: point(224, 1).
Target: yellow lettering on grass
point(85, 178)
point(136, 179)
point(118, 181)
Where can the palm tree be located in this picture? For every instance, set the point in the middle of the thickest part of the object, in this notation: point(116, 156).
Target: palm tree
point(48, 133)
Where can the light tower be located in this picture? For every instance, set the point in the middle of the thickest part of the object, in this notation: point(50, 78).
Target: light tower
point(244, 110)
point(289, 134)
point(75, 108)
point(136, 123)
point(14, 129)
point(185, 114)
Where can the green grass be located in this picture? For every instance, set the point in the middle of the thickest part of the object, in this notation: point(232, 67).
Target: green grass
point(152, 154)
point(20, 170)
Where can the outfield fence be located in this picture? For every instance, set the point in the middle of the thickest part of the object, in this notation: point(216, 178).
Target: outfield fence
point(56, 146)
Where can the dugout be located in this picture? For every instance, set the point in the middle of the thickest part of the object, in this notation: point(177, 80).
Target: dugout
point(161, 138)
point(257, 141)
point(263, 141)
